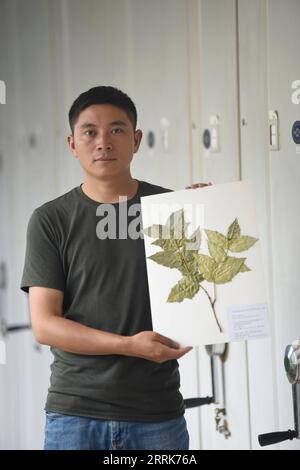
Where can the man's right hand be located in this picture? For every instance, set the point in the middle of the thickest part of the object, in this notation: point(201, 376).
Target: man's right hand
point(155, 347)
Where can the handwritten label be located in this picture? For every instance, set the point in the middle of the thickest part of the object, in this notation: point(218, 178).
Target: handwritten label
point(248, 322)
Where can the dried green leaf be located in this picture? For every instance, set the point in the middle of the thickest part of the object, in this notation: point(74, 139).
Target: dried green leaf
point(167, 258)
point(206, 266)
point(244, 268)
point(217, 238)
point(216, 252)
point(177, 227)
point(189, 265)
point(226, 271)
point(186, 288)
point(179, 231)
point(242, 243)
point(155, 231)
point(168, 244)
point(193, 243)
point(198, 277)
point(189, 256)
point(234, 230)
point(175, 218)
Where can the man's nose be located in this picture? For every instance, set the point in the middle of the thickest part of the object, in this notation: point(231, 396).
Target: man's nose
point(103, 142)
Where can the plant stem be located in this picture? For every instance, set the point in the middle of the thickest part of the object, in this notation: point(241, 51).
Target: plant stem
point(212, 303)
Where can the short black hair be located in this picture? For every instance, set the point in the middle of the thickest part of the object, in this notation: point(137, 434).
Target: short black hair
point(103, 95)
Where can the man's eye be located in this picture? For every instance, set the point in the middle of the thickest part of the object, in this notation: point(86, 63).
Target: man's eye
point(117, 130)
point(89, 133)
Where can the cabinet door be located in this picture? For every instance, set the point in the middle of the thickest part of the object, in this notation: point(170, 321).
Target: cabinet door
point(268, 44)
point(252, 21)
point(159, 79)
point(30, 179)
point(219, 97)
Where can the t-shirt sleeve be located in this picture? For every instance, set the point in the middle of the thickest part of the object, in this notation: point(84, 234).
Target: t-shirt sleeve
point(43, 264)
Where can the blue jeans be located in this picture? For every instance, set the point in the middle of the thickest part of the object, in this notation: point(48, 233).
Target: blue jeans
point(63, 432)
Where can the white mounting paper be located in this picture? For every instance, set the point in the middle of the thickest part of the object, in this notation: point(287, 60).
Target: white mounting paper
point(215, 207)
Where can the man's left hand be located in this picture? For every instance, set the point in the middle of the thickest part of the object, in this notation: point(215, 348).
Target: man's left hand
point(198, 185)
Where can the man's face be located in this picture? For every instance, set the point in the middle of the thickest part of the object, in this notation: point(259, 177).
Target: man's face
point(104, 141)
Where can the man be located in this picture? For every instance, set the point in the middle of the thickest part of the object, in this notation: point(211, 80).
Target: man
point(114, 382)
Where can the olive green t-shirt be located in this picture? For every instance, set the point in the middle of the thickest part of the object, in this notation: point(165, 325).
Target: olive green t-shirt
point(105, 286)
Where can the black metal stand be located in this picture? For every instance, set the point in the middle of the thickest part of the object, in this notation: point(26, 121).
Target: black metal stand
point(12, 328)
point(194, 402)
point(292, 368)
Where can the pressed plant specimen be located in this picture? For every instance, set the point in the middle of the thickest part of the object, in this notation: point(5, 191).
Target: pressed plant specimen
point(178, 251)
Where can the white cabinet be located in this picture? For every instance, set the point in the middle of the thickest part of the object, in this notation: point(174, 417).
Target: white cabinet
point(188, 65)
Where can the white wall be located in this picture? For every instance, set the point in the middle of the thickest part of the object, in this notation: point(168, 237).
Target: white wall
point(184, 61)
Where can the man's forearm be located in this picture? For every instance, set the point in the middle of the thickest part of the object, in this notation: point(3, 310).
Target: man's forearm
point(74, 337)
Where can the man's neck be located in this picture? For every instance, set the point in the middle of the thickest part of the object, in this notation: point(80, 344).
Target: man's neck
point(109, 191)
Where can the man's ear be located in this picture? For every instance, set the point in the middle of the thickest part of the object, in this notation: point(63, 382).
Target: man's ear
point(71, 144)
point(137, 139)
